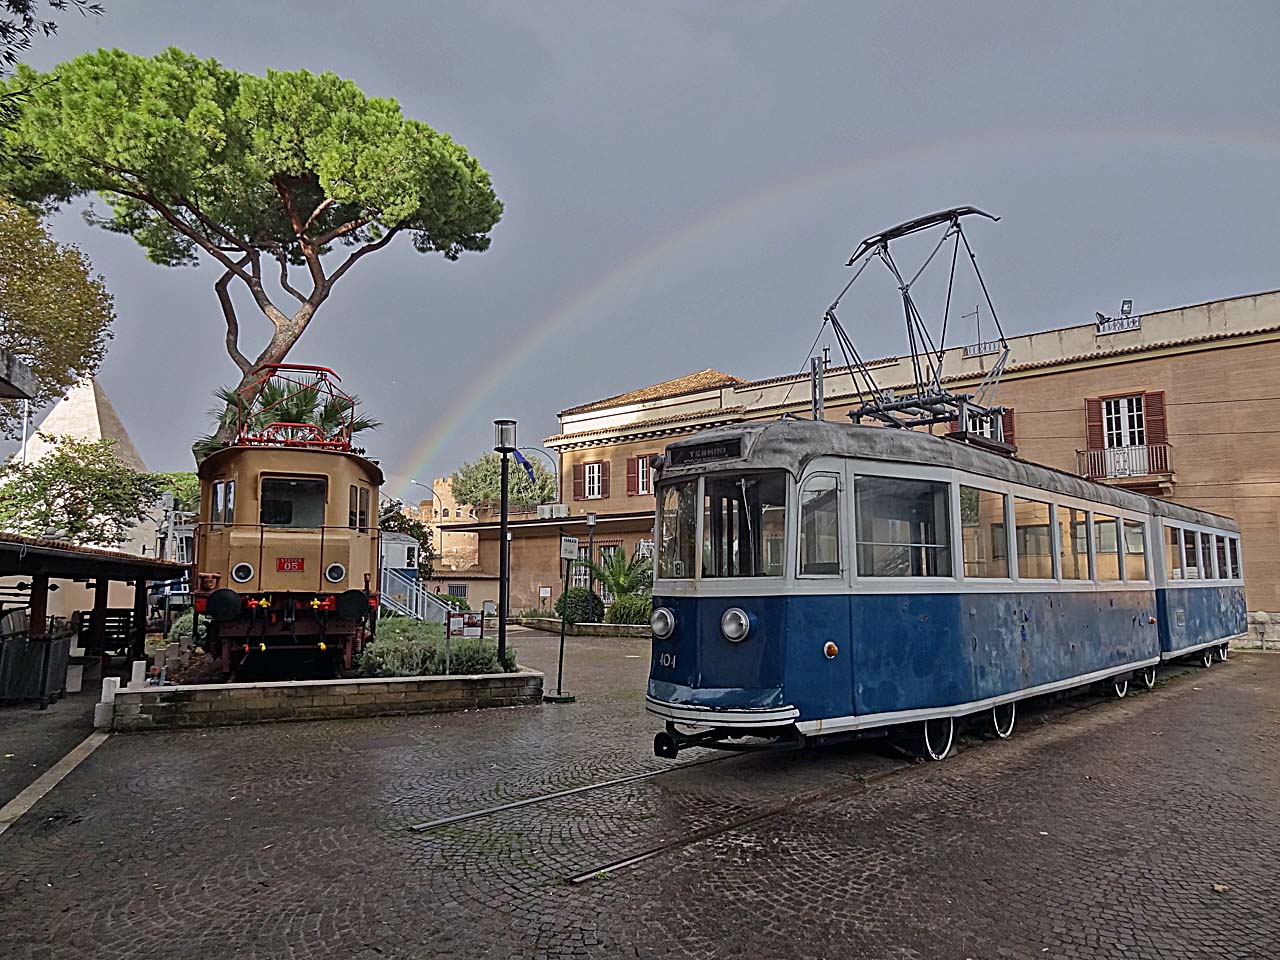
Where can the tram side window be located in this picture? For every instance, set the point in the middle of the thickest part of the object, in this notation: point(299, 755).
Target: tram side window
point(677, 529)
point(1135, 550)
point(1233, 548)
point(1191, 568)
point(1224, 571)
point(820, 526)
point(1032, 523)
point(216, 502)
point(1206, 557)
point(293, 502)
point(1173, 553)
point(1106, 547)
point(983, 537)
point(744, 522)
point(903, 527)
point(351, 507)
point(1073, 535)
point(362, 517)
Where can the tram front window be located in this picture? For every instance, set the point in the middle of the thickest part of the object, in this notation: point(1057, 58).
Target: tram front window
point(293, 502)
point(903, 527)
point(744, 525)
point(677, 533)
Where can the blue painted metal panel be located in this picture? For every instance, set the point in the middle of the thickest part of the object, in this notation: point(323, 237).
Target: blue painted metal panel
point(1190, 616)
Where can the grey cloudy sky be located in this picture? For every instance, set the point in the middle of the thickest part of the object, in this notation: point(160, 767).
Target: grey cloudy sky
point(684, 181)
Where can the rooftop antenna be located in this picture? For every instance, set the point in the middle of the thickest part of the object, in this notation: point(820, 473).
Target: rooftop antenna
point(925, 401)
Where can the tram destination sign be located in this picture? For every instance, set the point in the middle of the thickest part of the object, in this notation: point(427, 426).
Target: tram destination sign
point(706, 452)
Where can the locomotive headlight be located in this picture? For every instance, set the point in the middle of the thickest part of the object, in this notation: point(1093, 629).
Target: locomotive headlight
point(242, 572)
point(735, 624)
point(663, 623)
point(335, 573)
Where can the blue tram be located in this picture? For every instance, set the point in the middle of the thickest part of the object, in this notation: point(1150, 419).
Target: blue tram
point(816, 578)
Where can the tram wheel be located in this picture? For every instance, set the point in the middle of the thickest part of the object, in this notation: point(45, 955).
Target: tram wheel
point(1120, 687)
point(1149, 677)
point(1206, 657)
point(1222, 653)
point(936, 736)
point(1003, 718)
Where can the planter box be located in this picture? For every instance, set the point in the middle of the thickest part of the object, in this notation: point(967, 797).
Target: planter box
point(552, 625)
point(209, 705)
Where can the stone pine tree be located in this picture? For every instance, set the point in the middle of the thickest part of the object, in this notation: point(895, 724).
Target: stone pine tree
point(285, 181)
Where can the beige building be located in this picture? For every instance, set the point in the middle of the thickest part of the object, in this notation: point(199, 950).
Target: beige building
point(1182, 403)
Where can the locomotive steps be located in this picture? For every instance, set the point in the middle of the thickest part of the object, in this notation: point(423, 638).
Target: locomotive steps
point(219, 704)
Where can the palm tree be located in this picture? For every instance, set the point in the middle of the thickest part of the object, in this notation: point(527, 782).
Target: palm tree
point(283, 403)
point(621, 577)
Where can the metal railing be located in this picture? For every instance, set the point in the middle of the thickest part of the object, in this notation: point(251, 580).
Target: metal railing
point(1118, 462)
point(407, 597)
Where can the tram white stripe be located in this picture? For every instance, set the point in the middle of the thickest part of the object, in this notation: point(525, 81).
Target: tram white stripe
point(1181, 651)
point(28, 798)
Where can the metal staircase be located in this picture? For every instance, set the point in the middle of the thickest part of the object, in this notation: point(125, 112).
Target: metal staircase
point(407, 597)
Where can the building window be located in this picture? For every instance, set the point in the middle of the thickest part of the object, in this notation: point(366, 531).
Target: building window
point(410, 557)
point(903, 527)
point(606, 553)
point(1124, 424)
point(642, 476)
point(581, 576)
point(820, 526)
point(446, 513)
point(988, 427)
point(644, 548)
point(1033, 540)
point(983, 536)
point(458, 590)
point(594, 477)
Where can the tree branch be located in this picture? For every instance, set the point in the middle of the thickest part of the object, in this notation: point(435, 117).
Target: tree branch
point(233, 322)
point(367, 248)
point(284, 274)
point(308, 251)
point(343, 230)
point(213, 225)
point(315, 213)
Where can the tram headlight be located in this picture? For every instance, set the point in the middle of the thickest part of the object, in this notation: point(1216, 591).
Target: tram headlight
point(663, 622)
point(242, 572)
point(735, 624)
point(335, 573)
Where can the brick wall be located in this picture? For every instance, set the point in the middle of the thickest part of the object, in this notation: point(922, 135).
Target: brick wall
point(208, 705)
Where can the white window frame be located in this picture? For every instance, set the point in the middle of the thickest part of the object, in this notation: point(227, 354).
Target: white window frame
point(1124, 422)
point(843, 503)
point(1011, 572)
point(644, 476)
point(593, 480)
point(581, 576)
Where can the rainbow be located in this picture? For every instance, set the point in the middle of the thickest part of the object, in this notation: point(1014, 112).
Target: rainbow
point(788, 190)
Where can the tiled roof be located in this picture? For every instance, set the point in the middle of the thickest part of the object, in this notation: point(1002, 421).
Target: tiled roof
point(702, 380)
point(642, 426)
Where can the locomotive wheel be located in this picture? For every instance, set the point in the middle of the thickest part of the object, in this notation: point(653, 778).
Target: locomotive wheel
point(1003, 718)
point(936, 736)
point(1206, 657)
point(1222, 653)
point(1120, 687)
point(1149, 677)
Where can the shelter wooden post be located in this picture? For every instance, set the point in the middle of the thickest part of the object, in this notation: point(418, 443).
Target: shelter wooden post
point(138, 644)
point(39, 605)
point(98, 620)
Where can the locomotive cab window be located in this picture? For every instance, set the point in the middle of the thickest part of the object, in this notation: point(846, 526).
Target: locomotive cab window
point(903, 527)
point(744, 525)
point(820, 526)
point(293, 502)
point(984, 538)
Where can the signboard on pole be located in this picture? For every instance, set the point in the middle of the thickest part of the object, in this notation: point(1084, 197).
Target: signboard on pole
point(568, 548)
point(464, 624)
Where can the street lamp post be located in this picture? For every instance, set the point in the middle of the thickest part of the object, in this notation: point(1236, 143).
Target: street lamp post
point(591, 554)
point(505, 436)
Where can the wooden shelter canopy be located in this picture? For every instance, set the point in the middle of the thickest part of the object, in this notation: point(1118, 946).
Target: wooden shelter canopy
point(36, 556)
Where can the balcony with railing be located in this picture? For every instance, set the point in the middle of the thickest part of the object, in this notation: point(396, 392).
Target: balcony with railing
point(1139, 465)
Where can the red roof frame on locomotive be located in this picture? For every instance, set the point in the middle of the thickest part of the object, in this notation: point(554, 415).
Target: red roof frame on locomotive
point(323, 381)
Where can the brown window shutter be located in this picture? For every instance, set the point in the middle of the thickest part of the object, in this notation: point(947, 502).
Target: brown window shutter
point(1006, 426)
point(604, 478)
point(579, 481)
point(633, 476)
point(953, 426)
point(1154, 416)
point(1093, 424)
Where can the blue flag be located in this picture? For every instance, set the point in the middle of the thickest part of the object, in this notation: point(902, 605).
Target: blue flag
point(528, 467)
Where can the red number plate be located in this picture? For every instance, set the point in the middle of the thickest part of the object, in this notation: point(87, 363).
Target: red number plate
point(289, 565)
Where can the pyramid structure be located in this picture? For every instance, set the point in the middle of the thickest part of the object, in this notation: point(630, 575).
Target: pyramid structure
point(86, 414)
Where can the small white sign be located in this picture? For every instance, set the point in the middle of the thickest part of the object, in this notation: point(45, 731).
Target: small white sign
point(490, 608)
point(544, 592)
point(568, 548)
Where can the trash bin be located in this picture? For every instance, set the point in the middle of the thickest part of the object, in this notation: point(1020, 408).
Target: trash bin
point(33, 669)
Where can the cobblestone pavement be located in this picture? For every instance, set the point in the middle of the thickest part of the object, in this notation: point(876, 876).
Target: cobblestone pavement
point(32, 740)
point(1145, 827)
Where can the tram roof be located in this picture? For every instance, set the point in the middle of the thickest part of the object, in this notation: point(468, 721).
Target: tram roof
point(791, 444)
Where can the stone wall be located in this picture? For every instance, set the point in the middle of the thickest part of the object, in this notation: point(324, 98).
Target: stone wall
point(1264, 632)
point(552, 625)
point(207, 705)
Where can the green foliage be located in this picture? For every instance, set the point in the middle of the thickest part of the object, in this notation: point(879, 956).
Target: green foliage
point(55, 315)
point(584, 606)
point(80, 489)
point(622, 577)
point(193, 159)
point(411, 648)
point(394, 519)
point(479, 483)
point(458, 603)
point(185, 487)
point(630, 608)
point(180, 629)
point(278, 402)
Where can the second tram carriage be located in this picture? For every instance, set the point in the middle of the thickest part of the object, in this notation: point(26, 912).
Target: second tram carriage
point(815, 578)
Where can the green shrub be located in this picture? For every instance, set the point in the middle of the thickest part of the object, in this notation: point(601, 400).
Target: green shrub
point(405, 647)
point(633, 608)
point(180, 629)
point(458, 603)
point(584, 606)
